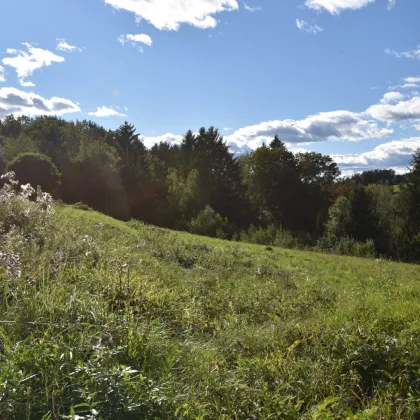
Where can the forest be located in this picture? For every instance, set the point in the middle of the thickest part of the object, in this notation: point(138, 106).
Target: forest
point(270, 196)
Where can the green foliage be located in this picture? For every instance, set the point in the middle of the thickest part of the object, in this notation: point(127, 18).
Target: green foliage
point(270, 236)
point(38, 170)
point(98, 178)
point(13, 147)
point(349, 246)
point(168, 185)
point(113, 320)
point(209, 223)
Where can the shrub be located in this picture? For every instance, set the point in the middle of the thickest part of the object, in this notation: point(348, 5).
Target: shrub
point(348, 246)
point(209, 223)
point(37, 170)
point(271, 235)
point(23, 220)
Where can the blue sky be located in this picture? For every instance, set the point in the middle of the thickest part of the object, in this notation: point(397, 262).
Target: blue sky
point(336, 76)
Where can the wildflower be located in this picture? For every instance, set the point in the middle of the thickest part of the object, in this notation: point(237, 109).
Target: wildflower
point(45, 201)
point(12, 264)
point(27, 190)
point(125, 267)
point(10, 177)
point(87, 239)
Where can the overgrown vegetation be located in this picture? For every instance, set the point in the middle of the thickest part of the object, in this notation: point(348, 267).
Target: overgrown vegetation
point(102, 319)
point(270, 196)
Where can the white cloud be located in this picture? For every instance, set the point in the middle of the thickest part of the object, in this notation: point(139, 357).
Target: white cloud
point(26, 62)
point(391, 97)
point(336, 6)
point(397, 112)
point(409, 82)
point(26, 84)
point(417, 127)
point(334, 125)
point(414, 54)
point(251, 9)
point(104, 112)
point(64, 46)
point(391, 4)
point(14, 101)
point(2, 76)
point(136, 39)
point(170, 14)
point(305, 26)
point(415, 79)
point(169, 138)
point(395, 154)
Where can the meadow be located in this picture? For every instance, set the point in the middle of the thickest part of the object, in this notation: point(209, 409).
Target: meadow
point(111, 320)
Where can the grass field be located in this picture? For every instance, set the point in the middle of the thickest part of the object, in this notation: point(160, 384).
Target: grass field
point(114, 320)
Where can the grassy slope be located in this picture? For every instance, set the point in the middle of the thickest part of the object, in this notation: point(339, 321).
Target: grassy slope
point(203, 328)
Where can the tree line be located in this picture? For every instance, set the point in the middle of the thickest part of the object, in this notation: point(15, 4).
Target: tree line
point(270, 196)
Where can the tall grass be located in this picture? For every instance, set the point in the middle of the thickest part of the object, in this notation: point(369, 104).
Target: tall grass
point(108, 320)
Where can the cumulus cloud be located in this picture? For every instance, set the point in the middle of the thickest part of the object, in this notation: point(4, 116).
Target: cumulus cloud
point(334, 125)
point(251, 9)
point(391, 97)
point(14, 101)
point(413, 54)
point(105, 112)
point(395, 112)
point(336, 6)
point(2, 74)
point(306, 27)
point(26, 62)
point(136, 39)
point(64, 46)
point(395, 154)
point(374, 123)
point(169, 138)
point(170, 14)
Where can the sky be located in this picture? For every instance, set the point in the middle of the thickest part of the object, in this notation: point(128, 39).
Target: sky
point(339, 77)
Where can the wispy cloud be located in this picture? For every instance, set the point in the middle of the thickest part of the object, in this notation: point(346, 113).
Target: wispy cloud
point(251, 9)
point(306, 27)
point(26, 62)
point(136, 40)
point(391, 4)
point(413, 54)
point(2, 74)
point(64, 46)
point(105, 112)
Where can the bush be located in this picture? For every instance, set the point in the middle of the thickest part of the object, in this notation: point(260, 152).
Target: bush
point(348, 246)
point(23, 221)
point(209, 223)
point(37, 170)
point(270, 236)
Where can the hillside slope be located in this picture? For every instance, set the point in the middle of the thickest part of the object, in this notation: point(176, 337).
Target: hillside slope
point(121, 320)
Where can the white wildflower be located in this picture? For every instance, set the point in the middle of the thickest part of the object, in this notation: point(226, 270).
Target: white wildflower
point(11, 263)
point(10, 177)
point(125, 267)
point(27, 190)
